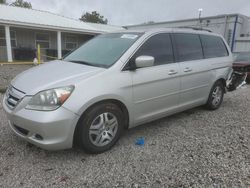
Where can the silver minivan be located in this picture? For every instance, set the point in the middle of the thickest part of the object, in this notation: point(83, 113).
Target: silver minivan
point(116, 81)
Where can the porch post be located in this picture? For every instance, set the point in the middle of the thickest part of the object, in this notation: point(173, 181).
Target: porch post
point(8, 43)
point(59, 44)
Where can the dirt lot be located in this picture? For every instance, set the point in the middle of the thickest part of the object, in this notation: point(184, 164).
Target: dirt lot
point(8, 72)
point(196, 148)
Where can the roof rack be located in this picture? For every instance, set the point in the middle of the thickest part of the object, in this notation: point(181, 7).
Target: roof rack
point(195, 28)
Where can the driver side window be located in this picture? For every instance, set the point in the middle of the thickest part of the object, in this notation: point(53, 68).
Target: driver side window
point(158, 46)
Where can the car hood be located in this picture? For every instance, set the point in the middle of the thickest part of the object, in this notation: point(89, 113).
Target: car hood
point(51, 75)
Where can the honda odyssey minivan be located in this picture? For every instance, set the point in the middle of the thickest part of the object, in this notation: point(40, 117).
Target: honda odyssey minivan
point(116, 81)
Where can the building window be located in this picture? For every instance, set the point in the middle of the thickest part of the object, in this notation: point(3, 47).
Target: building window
point(43, 40)
point(71, 42)
point(2, 38)
point(12, 38)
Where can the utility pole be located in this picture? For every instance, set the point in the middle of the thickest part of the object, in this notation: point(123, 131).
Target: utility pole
point(200, 11)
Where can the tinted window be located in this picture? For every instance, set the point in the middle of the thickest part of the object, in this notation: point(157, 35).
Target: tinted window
point(188, 47)
point(103, 50)
point(158, 46)
point(213, 46)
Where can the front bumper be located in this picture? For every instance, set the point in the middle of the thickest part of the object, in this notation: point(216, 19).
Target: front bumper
point(52, 130)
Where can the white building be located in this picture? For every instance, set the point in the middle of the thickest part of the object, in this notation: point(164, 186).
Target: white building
point(21, 30)
point(234, 27)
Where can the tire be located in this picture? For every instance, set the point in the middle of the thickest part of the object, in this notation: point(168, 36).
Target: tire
point(216, 96)
point(100, 128)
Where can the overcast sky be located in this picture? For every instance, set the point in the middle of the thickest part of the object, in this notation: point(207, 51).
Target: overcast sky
point(126, 12)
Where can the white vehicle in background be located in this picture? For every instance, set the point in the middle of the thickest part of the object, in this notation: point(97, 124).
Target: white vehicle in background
point(114, 82)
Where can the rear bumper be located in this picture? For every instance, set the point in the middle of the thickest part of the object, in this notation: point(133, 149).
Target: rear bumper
point(53, 130)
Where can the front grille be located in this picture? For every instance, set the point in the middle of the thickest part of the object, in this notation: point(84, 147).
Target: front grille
point(12, 101)
point(13, 97)
point(21, 130)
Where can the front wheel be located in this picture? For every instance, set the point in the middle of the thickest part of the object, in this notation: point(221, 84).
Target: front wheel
point(100, 128)
point(216, 96)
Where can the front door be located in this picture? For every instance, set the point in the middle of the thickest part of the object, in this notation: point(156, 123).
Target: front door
point(156, 89)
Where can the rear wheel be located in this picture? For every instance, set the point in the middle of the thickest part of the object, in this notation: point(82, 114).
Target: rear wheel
point(100, 128)
point(216, 96)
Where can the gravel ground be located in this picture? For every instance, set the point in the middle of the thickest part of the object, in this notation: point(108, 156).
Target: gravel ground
point(8, 72)
point(196, 148)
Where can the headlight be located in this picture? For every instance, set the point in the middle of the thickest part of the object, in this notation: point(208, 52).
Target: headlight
point(50, 99)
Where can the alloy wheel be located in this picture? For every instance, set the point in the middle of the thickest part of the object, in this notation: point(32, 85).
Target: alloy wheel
point(217, 95)
point(103, 129)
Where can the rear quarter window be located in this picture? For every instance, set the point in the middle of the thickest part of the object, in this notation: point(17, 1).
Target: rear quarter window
point(213, 46)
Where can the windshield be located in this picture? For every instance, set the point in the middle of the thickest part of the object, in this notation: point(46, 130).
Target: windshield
point(103, 50)
point(242, 57)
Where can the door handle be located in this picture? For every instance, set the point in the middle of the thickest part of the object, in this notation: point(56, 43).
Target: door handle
point(187, 69)
point(172, 72)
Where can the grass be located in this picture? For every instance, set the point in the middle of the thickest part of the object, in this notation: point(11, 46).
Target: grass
point(2, 89)
point(16, 63)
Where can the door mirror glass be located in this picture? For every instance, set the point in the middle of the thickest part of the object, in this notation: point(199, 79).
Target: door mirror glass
point(144, 61)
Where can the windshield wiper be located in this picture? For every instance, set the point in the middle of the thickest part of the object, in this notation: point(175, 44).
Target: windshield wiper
point(86, 63)
point(81, 62)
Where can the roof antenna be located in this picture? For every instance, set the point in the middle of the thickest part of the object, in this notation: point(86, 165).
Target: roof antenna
point(200, 11)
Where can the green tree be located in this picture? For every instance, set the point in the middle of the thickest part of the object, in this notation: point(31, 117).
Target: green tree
point(21, 3)
point(93, 17)
point(3, 2)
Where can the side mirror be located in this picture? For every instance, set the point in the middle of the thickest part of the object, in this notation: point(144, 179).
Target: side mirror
point(144, 61)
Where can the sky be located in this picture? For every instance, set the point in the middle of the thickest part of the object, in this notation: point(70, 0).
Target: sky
point(129, 12)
